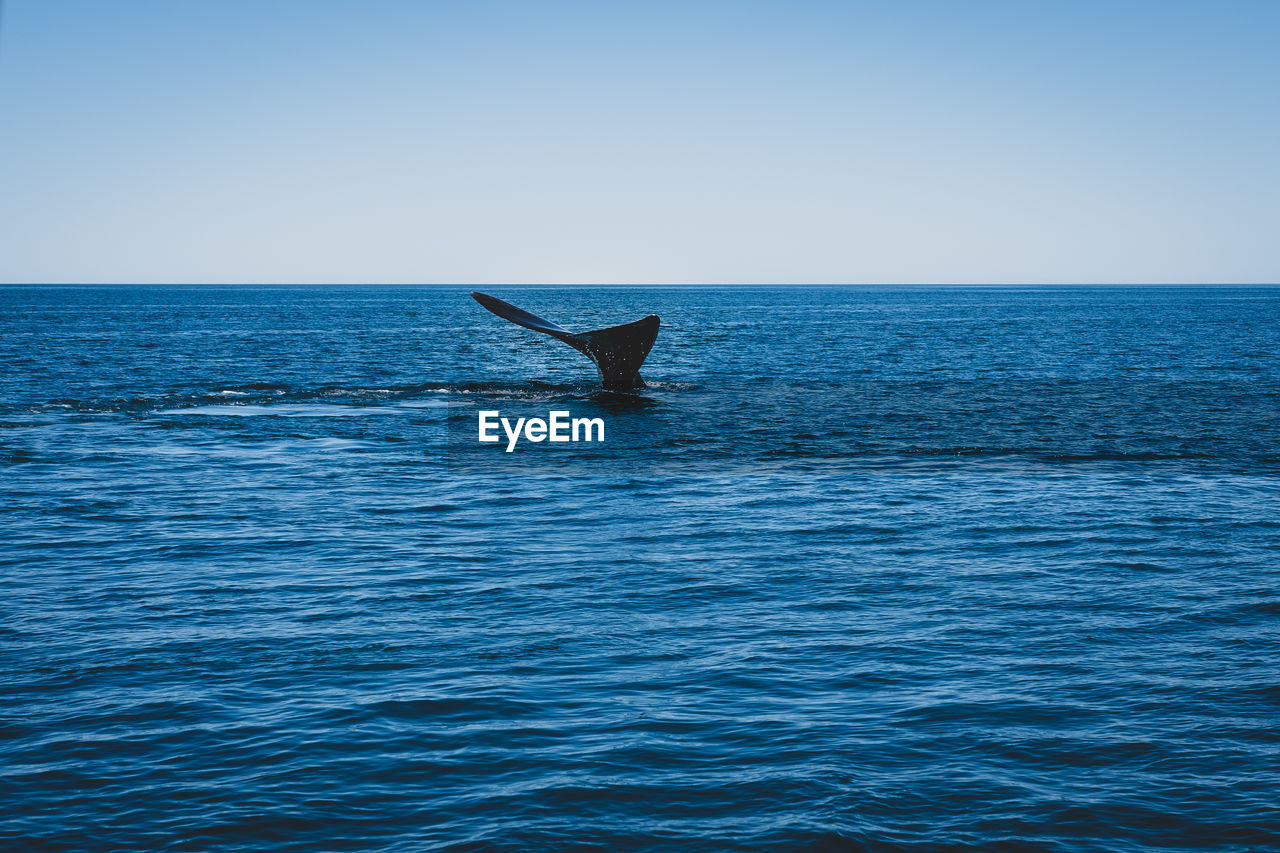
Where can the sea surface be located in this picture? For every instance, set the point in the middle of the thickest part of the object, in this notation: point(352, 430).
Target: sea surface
point(863, 569)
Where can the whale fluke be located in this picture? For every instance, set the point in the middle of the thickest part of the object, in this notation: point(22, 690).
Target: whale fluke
point(617, 351)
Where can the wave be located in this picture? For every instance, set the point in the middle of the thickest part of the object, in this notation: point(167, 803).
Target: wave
point(252, 397)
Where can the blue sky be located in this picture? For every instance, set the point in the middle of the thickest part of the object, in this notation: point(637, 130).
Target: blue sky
point(895, 142)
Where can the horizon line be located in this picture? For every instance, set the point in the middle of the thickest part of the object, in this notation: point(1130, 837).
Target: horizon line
point(640, 284)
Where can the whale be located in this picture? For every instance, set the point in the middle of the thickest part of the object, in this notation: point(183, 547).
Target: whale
point(617, 352)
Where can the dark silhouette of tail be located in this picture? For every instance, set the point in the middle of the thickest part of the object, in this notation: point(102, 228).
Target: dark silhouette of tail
point(617, 351)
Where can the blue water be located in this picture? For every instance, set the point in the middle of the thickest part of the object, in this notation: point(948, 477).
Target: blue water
point(863, 569)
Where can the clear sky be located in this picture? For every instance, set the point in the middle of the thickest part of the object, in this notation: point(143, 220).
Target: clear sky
point(476, 141)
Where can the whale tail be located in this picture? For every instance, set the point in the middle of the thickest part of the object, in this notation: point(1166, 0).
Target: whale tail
point(617, 351)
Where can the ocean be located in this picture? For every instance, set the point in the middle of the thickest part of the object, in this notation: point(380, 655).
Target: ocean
point(862, 569)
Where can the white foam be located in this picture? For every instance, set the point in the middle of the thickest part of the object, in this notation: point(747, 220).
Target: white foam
point(284, 410)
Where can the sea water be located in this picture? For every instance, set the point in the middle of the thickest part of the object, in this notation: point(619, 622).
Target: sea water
point(862, 569)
